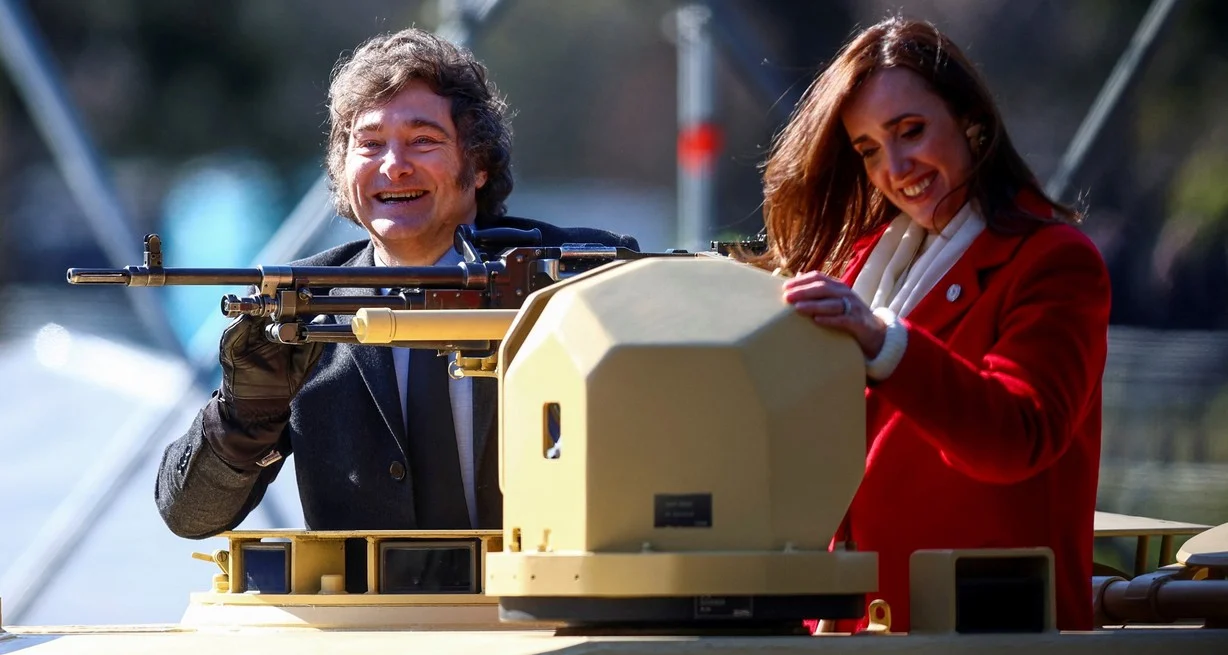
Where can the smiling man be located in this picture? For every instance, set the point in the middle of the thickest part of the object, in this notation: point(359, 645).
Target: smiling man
point(383, 438)
point(406, 176)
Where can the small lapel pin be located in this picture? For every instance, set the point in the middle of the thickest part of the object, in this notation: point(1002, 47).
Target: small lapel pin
point(953, 292)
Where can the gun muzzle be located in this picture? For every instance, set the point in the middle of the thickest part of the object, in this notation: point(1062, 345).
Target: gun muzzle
point(98, 276)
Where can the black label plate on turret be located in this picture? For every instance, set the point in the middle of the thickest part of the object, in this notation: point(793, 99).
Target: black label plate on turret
point(682, 511)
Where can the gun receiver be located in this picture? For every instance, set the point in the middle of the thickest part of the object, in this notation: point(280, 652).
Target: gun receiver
point(753, 246)
point(500, 267)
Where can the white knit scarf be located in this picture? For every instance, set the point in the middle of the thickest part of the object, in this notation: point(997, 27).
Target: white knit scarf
point(908, 260)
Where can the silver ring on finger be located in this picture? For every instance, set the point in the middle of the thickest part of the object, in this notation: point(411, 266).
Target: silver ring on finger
point(848, 306)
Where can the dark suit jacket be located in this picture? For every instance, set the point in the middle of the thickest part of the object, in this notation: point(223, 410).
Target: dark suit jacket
point(346, 432)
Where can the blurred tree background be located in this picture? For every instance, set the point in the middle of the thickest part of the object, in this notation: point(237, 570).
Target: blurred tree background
point(160, 86)
point(210, 118)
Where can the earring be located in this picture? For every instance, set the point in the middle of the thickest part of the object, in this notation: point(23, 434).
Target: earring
point(976, 137)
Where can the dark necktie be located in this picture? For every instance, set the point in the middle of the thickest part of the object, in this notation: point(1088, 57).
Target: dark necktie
point(439, 493)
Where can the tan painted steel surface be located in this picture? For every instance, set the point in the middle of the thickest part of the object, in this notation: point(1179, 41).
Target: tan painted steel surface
point(1108, 524)
point(1208, 548)
point(159, 641)
point(353, 615)
point(689, 388)
point(931, 574)
point(385, 326)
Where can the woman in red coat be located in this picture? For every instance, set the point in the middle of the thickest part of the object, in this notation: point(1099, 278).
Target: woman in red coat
point(908, 220)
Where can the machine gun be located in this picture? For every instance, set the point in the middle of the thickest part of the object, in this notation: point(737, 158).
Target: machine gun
point(500, 267)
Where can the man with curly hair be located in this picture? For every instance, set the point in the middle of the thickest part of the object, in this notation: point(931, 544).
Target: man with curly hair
point(418, 144)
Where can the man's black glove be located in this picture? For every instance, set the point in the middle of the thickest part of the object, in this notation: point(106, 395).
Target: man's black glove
point(259, 379)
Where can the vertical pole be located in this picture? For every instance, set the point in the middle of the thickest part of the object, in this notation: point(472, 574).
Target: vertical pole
point(1142, 45)
point(698, 136)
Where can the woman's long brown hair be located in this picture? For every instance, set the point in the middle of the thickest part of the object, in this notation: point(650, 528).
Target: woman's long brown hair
point(818, 200)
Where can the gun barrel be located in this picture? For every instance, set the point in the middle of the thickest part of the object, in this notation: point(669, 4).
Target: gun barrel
point(383, 326)
point(234, 306)
point(308, 333)
point(352, 304)
point(141, 276)
point(471, 276)
point(464, 276)
point(311, 333)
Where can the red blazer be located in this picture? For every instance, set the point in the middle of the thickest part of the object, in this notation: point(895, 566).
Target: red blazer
point(988, 432)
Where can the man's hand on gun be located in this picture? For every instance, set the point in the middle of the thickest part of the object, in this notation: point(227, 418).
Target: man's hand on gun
point(259, 379)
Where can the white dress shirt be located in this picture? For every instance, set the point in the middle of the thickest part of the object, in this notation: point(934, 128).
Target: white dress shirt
point(461, 394)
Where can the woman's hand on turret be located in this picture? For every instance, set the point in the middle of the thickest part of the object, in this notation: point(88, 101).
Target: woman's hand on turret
point(831, 303)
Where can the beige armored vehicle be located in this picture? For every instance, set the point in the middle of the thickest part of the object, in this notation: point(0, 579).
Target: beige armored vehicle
point(672, 475)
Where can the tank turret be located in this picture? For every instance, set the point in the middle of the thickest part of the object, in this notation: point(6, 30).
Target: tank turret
point(678, 445)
